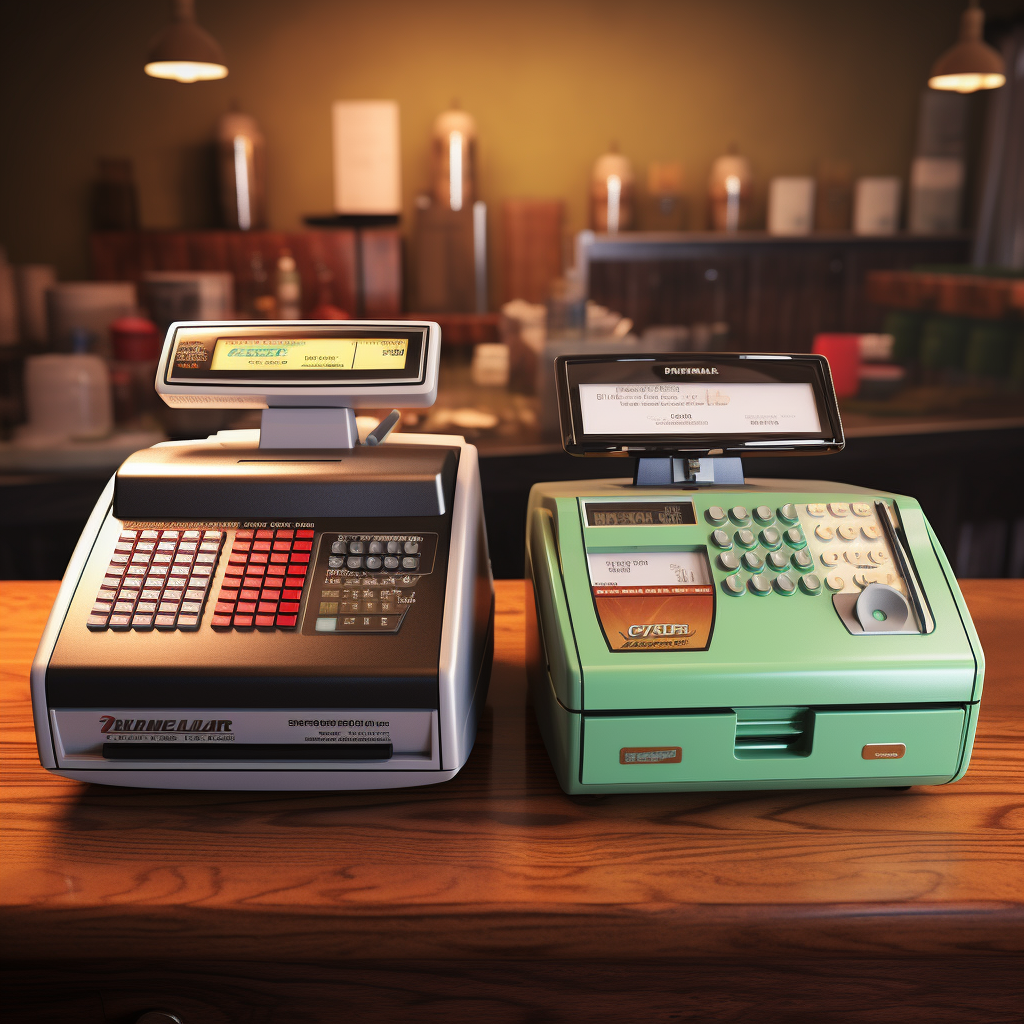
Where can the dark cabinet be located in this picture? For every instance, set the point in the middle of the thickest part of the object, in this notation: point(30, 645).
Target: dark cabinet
point(774, 293)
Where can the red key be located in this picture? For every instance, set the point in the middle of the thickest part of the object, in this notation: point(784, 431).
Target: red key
point(225, 607)
point(255, 572)
point(267, 607)
point(241, 546)
point(277, 570)
point(295, 581)
point(220, 620)
point(291, 595)
point(261, 545)
point(303, 545)
point(245, 621)
point(243, 534)
point(286, 620)
point(304, 533)
point(234, 559)
point(265, 534)
point(282, 545)
point(285, 534)
point(300, 556)
point(271, 595)
point(289, 606)
point(257, 558)
point(234, 570)
point(264, 620)
point(246, 607)
point(279, 557)
point(249, 595)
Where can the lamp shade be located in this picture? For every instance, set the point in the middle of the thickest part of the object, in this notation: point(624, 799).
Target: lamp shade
point(971, 64)
point(183, 52)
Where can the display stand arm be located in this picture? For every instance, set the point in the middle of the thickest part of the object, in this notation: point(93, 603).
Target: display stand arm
point(667, 472)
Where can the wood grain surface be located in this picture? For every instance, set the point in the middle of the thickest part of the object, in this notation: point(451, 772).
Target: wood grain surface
point(499, 864)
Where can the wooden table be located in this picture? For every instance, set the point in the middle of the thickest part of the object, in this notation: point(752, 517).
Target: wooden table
point(495, 897)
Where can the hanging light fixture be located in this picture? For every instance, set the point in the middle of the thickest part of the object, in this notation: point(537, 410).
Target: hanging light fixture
point(184, 52)
point(971, 64)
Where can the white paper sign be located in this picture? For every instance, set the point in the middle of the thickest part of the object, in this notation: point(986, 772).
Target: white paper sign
point(647, 568)
point(729, 409)
point(367, 157)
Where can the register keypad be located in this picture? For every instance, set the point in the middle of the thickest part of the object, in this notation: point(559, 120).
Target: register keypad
point(843, 542)
point(367, 582)
point(263, 581)
point(156, 579)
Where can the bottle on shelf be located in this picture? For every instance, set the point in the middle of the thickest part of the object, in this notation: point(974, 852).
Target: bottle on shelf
point(289, 287)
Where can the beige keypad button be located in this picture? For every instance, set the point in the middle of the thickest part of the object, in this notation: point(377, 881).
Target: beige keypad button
point(839, 509)
point(862, 579)
point(859, 558)
point(847, 531)
point(834, 582)
point(860, 508)
point(823, 532)
point(871, 531)
point(829, 557)
point(877, 555)
point(816, 510)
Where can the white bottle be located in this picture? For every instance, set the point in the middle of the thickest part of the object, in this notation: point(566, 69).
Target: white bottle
point(289, 288)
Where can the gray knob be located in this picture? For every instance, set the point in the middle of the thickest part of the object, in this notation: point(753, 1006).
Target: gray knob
point(881, 609)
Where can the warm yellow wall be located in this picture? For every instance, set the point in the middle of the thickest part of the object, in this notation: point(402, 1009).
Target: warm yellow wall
point(549, 81)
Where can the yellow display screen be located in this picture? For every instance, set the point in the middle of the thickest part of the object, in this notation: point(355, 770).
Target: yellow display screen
point(256, 354)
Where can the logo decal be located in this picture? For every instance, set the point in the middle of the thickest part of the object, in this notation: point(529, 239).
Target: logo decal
point(111, 726)
point(659, 629)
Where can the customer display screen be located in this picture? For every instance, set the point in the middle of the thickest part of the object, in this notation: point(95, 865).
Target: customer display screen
point(704, 404)
point(310, 354)
point(297, 354)
point(699, 409)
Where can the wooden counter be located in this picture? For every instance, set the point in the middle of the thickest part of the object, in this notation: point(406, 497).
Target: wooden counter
point(496, 897)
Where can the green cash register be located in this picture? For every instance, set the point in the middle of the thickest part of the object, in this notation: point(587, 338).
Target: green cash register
point(692, 629)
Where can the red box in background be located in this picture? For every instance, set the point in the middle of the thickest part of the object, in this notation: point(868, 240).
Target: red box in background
point(843, 354)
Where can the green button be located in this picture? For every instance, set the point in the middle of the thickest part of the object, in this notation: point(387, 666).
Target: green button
point(810, 583)
point(785, 585)
point(771, 538)
point(720, 538)
point(802, 561)
point(795, 537)
point(760, 586)
point(763, 514)
point(728, 561)
point(739, 515)
point(778, 560)
point(716, 515)
point(753, 562)
point(746, 539)
point(733, 585)
point(788, 513)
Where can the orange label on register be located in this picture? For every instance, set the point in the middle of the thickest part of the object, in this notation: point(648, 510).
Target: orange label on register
point(668, 618)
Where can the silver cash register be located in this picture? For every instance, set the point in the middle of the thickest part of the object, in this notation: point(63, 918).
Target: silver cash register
point(282, 608)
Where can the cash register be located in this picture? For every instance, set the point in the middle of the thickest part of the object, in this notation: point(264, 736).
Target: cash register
point(694, 629)
point(294, 607)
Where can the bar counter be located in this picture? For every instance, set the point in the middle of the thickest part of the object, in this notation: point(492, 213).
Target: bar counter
point(496, 897)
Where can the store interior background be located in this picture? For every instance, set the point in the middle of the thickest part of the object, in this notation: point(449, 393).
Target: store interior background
point(790, 82)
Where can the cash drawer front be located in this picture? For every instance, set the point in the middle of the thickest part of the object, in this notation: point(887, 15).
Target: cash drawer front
point(932, 736)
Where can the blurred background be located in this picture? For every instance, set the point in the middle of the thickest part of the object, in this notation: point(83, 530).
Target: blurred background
point(540, 178)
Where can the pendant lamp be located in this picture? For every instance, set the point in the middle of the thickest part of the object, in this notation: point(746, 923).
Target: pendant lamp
point(184, 52)
point(971, 64)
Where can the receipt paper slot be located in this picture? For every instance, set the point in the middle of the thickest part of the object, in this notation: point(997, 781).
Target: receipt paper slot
point(692, 629)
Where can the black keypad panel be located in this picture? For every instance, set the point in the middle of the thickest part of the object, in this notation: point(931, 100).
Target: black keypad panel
point(366, 583)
